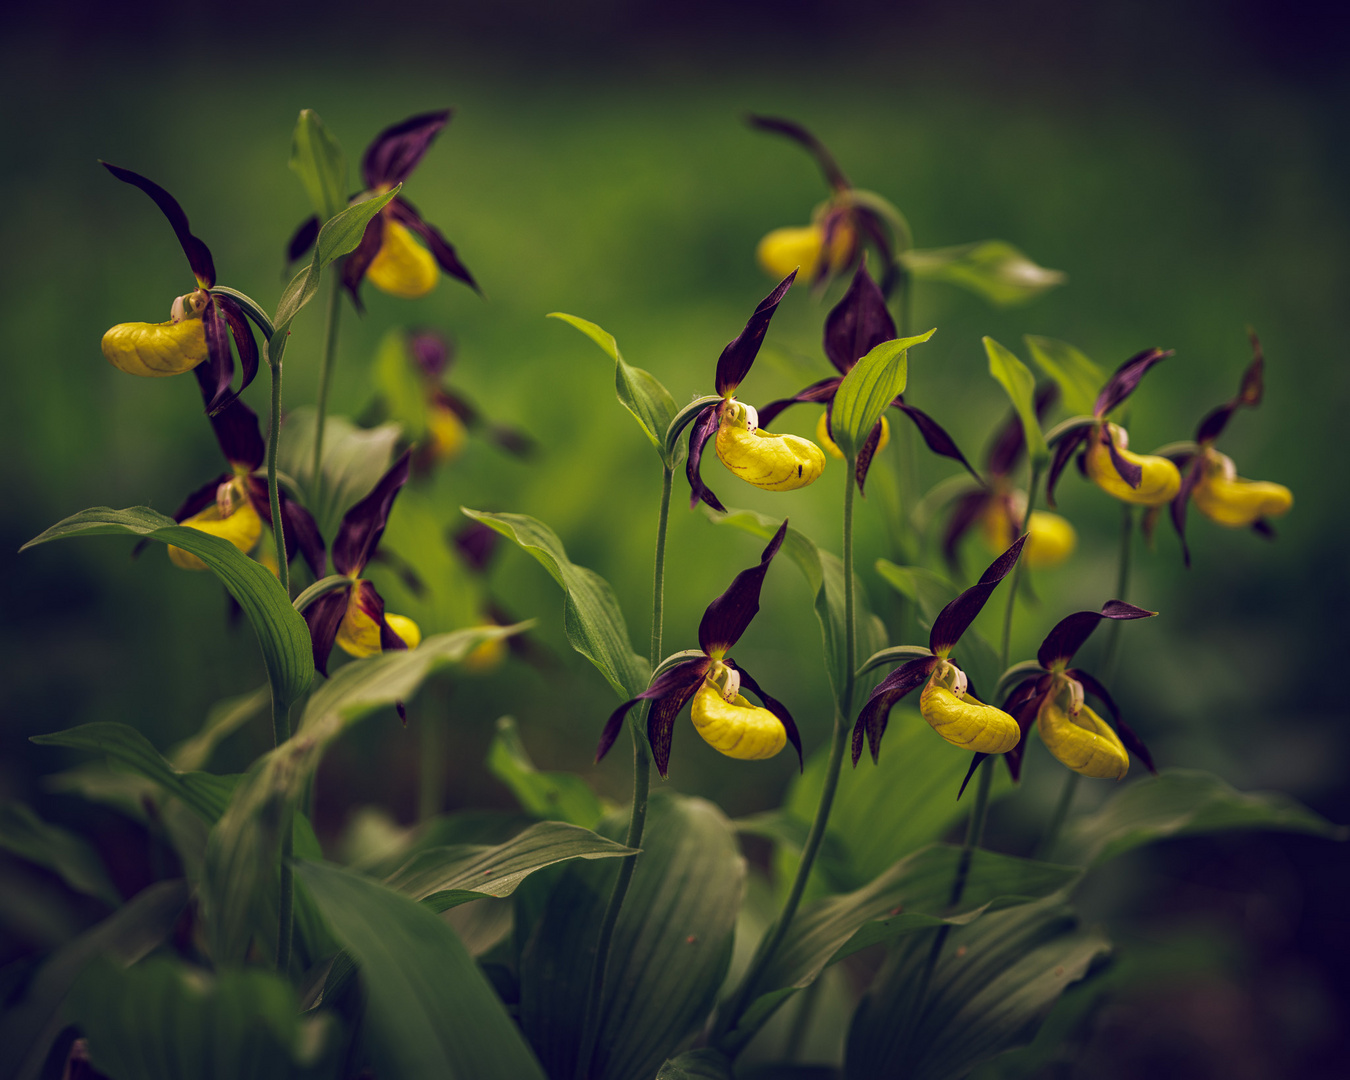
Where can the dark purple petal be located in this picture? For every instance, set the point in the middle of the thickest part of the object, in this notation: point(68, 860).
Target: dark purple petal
point(1131, 473)
point(968, 510)
point(734, 363)
point(679, 683)
point(355, 265)
point(700, 431)
point(871, 225)
point(858, 323)
point(303, 239)
point(726, 617)
point(1069, 633)
point(974, 764)
point(834, 175)
point(396, 150)
point(1063, 451)
point(866, 452)
point(1126, 377)
point(1010, 441)
point(512, 440)
point(935, 437)
point(778, 709)
point(300, 531)
point(200, 499)
point(457, 405)
point(371, 603)
point(1249, 395)
point(1262, 527)
point(244, 344)
point(1132, 741)
point(953, 620)
point(324, 616)
point(217, 370)
point(816, 392)
point(364, 523)
point(239, 435)
point(1025, 715)
point(198, 255)
point(830, 227)
point(661, 721)
point(876, 712)
point(432, 352)
point(1189, 479)
point(476, 544)
point(404, 212)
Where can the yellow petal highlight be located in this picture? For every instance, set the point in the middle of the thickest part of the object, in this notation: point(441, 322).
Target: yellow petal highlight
point(1050, 538)
point(831, 448)
point(967, 722)
point(736, 728)
point(486, 657)
point(1085, 743)
point(242, 529)
point(1223, 496)
point(402, 266)
point(772, 462)
point(445, 432)
point(1160, 481)
point(155, 350)
point(405, 628)
point(359, 634)
point(784, 250)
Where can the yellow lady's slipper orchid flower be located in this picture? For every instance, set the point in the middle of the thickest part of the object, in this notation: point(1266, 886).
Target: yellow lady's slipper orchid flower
point(784, 250)
point(960, 718)
point(734, 726)
point(1050, 538)
point(1081, 739)
point(402, 267)
point(1159, 479)
point(231, 517)
point(156, 350)
point(359, 634)
point(832, 448)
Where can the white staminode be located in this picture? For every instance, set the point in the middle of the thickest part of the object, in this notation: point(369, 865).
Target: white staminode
point(727, 680)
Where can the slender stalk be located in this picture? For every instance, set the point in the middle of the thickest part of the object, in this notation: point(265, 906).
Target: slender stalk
point(273, 493)
point(281, 731)
point(773, 938)
point(637, 820)
point(1005, 651)
point(330, 333)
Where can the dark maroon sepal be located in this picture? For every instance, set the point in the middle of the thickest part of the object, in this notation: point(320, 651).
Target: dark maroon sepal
point(364, 523)
point(299, 531)
point(444, 252)
point(476, 544)
point(1125, 378)
point(1133, 743)
point(324, 616)
point(198, 254)
point(700, 431)
point(432, 352)
point(1131, 473)
point(734, 363)
point(935, 437)
point(1249, 396)
point(876, 712)
point(953, 620)
point(679, 682)
point(858, 323)
point(725, 619)
point(1189, 479)
point(966, 512)
point(1010, 440)
point(1072, 631)
point(215, 373)
point(1063, 451)
point(870, 224)
point(866, 453)
point(303, 239)
point(1262, 527)
point(677, 686)
point(239, 435)
point(355, 265)
point(974, 764)
point(244, 344)
point(396, 151)
point(200, 499)
point(817, 392)
point(834, 175)
point(514, 441)
point(778, 709)
point(1022, 704)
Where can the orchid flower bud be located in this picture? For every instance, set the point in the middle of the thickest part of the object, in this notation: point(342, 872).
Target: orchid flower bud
point(772, 462)
point(1222, 496)
point(231, 517)
point(730, 723)
point(1160, 480)
point(402, 267)
point(1050, 538)
point(832, 448)
point(960, 718)
point(155, 350)
point(1078, 737)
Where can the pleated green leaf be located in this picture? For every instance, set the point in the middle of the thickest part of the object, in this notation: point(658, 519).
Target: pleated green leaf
point(1020, 384)
point(560, 796)
point(430, 1012)
point(868, 390)
point(705, 1064)
point(354, 459)
point(1078, 377)
point(318, 160)
point(991, 269)
point(65, 853)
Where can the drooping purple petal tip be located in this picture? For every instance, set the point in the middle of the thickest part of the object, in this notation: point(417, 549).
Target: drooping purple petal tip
point(727, 617)
point(734, 363)
point(953, 620)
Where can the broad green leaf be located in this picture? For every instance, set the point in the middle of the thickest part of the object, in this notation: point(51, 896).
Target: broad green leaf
point(29, 1025)
point(430, 1013)
point(224, 719)
point(165, 1020)
point(1016, 378)
point(640, 392)
point(1183, 802)
point(992, 269)
point(318, 160)
point(281, 630)
point(354, 459)
point(444, 877)
point(993, 985)
point(205, 793)
point(926, 588)
point(868, 390)
point(26, 835)
point(560, 796)
point(237, 892)
point(705, 1064)
point(670, 949)
point(1078, 377)
point(592, 619)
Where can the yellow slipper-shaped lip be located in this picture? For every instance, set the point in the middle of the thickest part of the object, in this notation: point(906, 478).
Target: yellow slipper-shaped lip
point(736, 728)
point(1085, 743)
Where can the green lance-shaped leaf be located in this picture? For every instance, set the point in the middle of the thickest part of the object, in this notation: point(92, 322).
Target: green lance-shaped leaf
point(639, 391)
point(165, 1020)
point(430, 1012)
point(281, 630)
point(445, 877)
point(1079, 379)
point(995, 270)
point(354, 459)
point(705, 1064)
point(912, 895)
point(592, 619)
point(671, 944)
point(30, 1023)
point(994, 984)
point(237, 885)
point(1016, 378)
point(868, 390)
point(1183, 802)
point(65, 853)
point(559, 796)
point(318, 160)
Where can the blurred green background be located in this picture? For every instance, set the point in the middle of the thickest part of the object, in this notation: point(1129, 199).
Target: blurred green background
point(1186, 169)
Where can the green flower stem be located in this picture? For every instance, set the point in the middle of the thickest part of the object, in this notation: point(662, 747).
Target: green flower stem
point(726, 1037)
point(281, 731)
point(273, 493)
point(330, 334)
point(1006, 650)
point(637, 820)
point(1108, 668)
